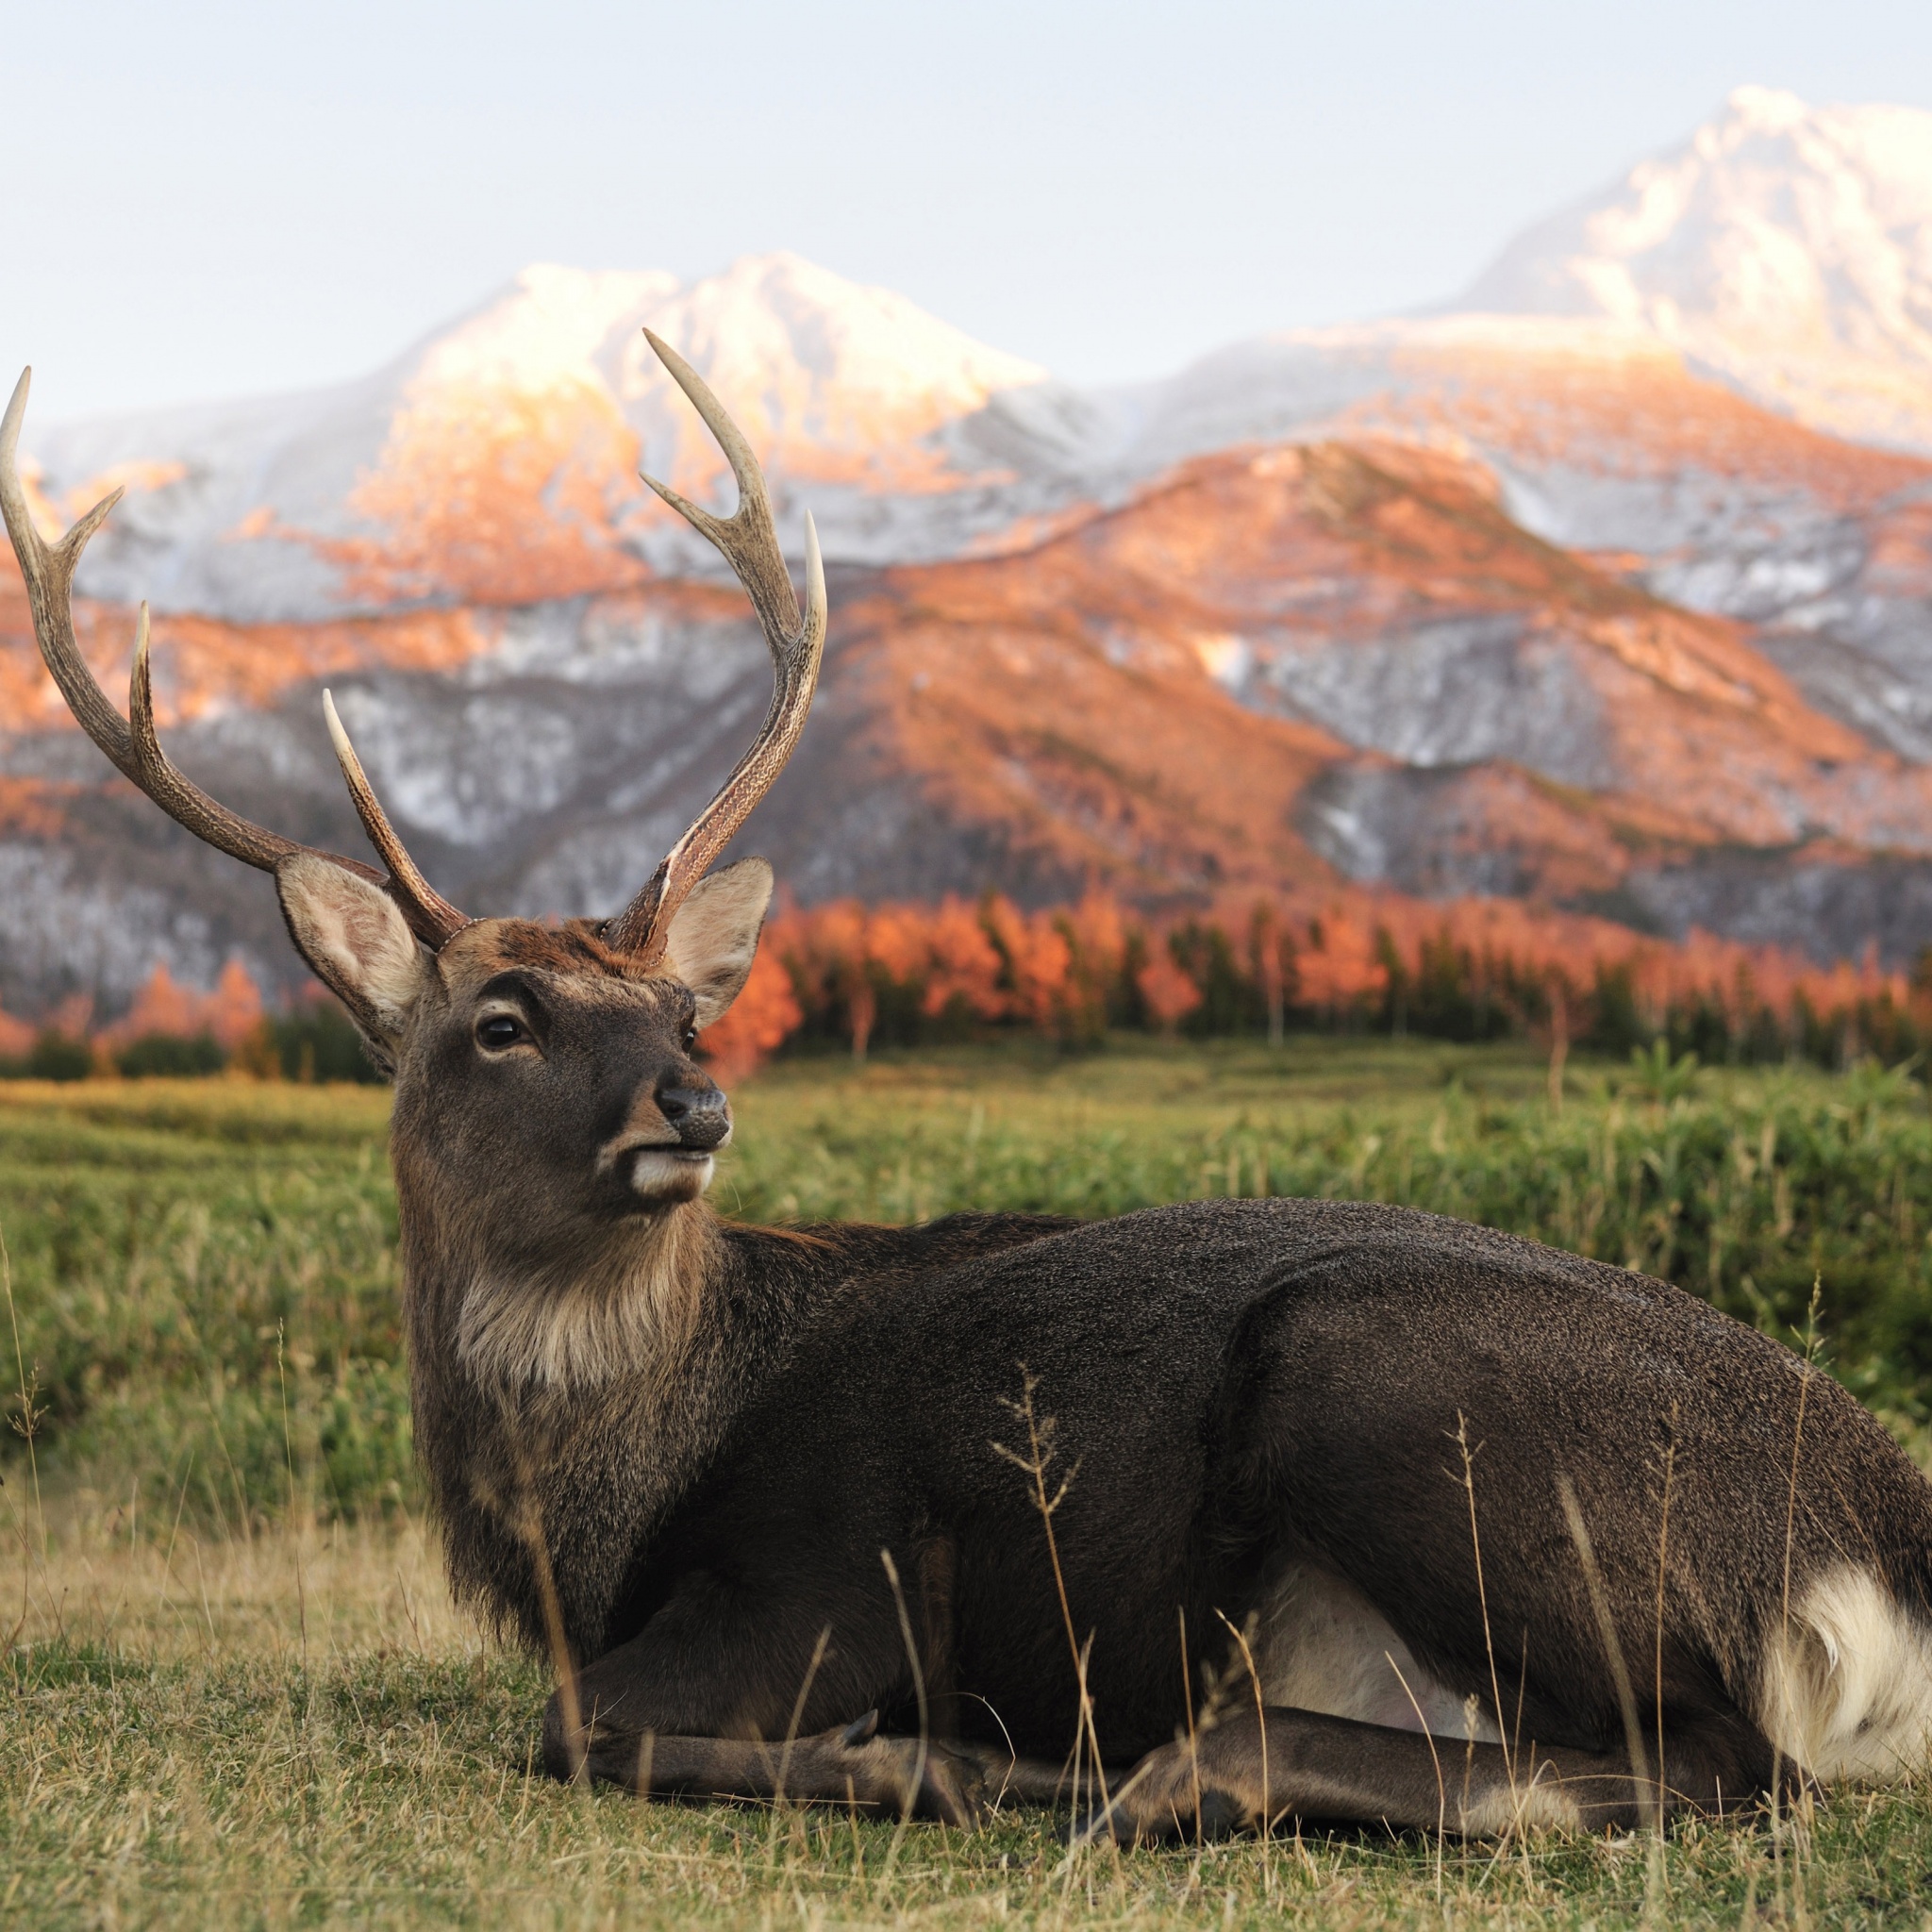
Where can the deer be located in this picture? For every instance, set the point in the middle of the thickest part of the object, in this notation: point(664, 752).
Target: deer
point(1361, 1515)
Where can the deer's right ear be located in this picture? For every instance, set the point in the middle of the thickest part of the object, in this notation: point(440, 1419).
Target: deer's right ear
point(356, 941)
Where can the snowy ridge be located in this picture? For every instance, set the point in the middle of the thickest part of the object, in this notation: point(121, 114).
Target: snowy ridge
point(538, 408)
point(1610, 589)
point(1787, 247)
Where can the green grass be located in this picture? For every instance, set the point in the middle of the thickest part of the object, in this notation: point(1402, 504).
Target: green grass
point(224, 1708)
point(1751, 1188)
point(383, 1787)
point(195, 1261)
point(183, 1256)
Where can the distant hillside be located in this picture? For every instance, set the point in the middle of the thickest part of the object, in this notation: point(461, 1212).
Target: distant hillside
point(1559, 606)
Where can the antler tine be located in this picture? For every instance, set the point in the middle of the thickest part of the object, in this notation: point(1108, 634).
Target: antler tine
point(431, 917)
point(183, 800)
point(133, 745)
point(747, 538)
point(749, 543)
point(48, 572)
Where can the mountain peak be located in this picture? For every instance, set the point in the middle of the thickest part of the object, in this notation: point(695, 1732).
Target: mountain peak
point(527, 419)
point(1771, 109)
point(1784, 247)
point(763, 318)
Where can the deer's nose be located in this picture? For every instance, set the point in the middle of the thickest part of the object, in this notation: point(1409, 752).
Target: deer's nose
point(700, 1116)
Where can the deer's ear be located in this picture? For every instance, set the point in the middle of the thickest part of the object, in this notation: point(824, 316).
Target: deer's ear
point(714, 934)
point(357, 943)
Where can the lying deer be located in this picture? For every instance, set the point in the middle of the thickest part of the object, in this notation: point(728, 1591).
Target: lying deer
point(755, 1486)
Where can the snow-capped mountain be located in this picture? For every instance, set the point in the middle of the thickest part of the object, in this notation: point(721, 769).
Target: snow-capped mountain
point(496, 462)
point(1609, 589)
point(1784, 249)
point(1788, 248)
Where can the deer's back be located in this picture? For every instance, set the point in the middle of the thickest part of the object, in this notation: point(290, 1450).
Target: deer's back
point(1224, 1387)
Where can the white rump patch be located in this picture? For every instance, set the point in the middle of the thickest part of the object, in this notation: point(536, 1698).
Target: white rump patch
point(1848, 1693)
point(1323, 1647)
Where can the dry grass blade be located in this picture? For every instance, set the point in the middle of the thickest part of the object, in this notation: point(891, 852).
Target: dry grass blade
point(1035, 1465)
point(910, 1795)
point(26, 1422)
point(1648, 1795)
point(1435, 1757)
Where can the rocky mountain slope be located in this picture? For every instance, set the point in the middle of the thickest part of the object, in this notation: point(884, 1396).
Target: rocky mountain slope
point(1581, 605)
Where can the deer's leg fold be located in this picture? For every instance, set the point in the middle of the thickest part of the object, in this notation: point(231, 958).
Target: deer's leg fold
point(1305, 1765)
point(850, 1765)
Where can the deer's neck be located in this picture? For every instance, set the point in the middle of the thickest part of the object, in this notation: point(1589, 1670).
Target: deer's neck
point(554, 1468)
point(618, 1308)
point(570, 1407)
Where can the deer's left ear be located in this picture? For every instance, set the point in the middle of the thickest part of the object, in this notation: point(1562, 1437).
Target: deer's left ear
point(714, 934)
point(358, 944)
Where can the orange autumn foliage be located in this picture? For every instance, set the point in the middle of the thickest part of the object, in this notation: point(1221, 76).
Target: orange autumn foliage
point(846, 972)
point(1171, 995)
point(230, 1013)
point(962, 967)
point(1352, 957)
point(16, 1037)
point(1038, 961)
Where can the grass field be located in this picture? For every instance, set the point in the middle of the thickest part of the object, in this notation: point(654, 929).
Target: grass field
point(239, 1694)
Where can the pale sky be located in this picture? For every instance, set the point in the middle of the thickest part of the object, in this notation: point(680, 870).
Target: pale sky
point(205, 199)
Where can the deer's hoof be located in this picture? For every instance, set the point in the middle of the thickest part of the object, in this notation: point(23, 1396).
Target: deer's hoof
point(901, 1777)
point(1164, 1798)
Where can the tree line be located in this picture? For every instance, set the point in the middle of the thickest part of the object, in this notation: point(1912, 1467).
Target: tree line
point(857, 978)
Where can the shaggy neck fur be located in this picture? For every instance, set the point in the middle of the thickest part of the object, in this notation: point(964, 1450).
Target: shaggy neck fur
point(628, 1308)
point(561, 1409)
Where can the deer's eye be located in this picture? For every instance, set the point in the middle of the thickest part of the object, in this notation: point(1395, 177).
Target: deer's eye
point(500, 1030)
point(691, 1038)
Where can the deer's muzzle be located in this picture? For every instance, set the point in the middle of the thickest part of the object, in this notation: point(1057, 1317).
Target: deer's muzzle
point(699, 1116)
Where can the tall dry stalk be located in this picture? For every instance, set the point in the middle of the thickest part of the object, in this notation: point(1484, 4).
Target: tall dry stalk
point(1806, 1372)
point(294, 1522)
point(1193, 1735)
point(919, 1761)
point(26, 1422)
point(1517, 1797)
point(1034, 1465)
point(1442, 1788)
point(1649, 1796)
point(1482, 1594)
point(1240, 1637)
point(647, 1747)
point(1663, 1545)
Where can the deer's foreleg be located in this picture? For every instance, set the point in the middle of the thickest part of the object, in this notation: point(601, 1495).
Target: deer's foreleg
point(724, 1695)
point(853, 1765)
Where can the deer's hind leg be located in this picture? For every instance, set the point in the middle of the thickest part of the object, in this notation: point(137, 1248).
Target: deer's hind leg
point(1303, 1764)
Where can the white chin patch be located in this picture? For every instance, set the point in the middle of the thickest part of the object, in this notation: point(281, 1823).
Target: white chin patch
point(658, 1175)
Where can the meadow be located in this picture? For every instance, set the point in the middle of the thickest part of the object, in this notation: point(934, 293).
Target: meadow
point(238, 1692)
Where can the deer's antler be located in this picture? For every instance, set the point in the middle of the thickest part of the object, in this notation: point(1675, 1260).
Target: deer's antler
point(747, 541)
point(131, 744)
point(750, 545)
